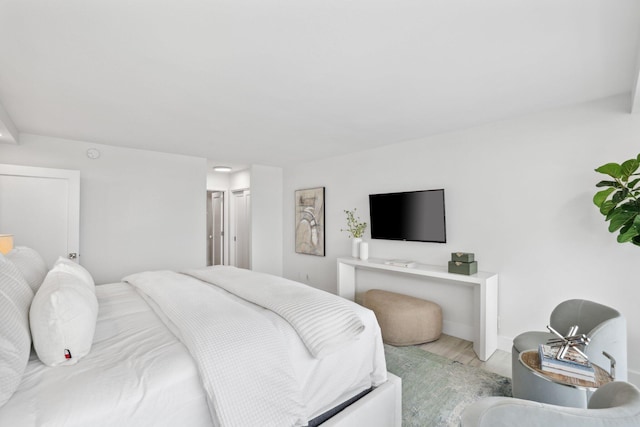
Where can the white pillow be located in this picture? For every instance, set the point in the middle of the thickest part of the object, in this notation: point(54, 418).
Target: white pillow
point(30, 264)
point(68, 266)
point(15, 340)
point(63, 318)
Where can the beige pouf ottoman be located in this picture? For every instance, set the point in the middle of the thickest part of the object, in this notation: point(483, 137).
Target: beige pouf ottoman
point(404, 320)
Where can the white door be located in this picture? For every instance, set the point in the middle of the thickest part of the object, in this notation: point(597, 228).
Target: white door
point(241, 229)
point(215, 227)
point(218, 227)
point(41, 208)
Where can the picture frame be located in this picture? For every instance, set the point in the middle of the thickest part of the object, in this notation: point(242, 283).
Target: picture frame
point(309, 221)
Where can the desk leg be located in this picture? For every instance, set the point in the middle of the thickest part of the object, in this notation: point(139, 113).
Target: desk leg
point(347, 281)
point(485, 301)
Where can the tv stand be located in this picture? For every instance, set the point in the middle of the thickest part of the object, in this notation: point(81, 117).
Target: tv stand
point(483, 284)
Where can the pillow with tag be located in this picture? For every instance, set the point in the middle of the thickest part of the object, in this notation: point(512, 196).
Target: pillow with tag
point(63, 316)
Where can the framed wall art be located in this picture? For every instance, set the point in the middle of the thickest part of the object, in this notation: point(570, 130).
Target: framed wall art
point(310, 221)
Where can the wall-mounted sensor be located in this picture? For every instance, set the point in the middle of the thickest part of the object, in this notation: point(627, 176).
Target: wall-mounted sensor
point(93, 153)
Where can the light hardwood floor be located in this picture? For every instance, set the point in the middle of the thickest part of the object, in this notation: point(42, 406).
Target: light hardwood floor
point(462, 351)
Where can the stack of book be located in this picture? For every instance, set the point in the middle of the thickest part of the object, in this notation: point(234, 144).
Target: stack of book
point(572, 365)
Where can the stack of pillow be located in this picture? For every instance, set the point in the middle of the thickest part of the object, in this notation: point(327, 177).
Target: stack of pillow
point(56, 310)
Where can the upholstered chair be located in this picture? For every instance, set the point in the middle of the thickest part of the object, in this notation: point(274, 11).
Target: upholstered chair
point(607, 330)
point(616, 404)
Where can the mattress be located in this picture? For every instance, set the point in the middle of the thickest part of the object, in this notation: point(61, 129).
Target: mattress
point(139, 374)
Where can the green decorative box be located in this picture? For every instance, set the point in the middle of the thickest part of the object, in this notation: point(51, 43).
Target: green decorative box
point(462, 256)
point(467, 268)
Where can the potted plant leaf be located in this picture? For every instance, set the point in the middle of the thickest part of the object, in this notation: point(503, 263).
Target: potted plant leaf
point(618, 202)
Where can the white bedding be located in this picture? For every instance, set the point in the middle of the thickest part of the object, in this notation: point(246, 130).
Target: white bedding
point(323, 322)
point(243, 361)
point(139, 374)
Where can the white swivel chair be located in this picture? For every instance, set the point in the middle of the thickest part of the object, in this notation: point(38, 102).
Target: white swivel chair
point(607, 330)
point(616, 404)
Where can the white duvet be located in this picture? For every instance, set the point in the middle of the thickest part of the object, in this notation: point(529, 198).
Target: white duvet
point(137, 374)
point(243, 361)
point(323, 322)
point(140, 374)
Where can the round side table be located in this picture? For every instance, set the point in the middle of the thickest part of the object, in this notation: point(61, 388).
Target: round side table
point(560, 392)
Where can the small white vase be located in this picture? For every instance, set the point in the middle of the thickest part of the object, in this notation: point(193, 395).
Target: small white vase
point(364, 251)
point(355, 247)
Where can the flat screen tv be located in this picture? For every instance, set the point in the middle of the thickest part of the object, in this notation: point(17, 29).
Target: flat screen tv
point(414, 216)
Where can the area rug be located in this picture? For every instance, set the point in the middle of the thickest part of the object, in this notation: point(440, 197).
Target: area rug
point(435, 390)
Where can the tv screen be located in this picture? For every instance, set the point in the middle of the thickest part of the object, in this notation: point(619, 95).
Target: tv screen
point(415, 216)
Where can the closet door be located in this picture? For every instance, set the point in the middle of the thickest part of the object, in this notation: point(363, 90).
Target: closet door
point(218, 227)
point(215, 228)
point(41, 208)
point(241, 229)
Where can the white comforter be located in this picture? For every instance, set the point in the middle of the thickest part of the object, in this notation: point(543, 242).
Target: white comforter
point(256, 386)
point(324, 322)
point(138, 372)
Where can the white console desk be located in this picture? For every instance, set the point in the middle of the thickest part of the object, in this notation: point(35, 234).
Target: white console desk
point(485, 294)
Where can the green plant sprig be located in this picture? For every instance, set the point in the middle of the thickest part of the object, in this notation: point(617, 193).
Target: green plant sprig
point(618, 202)
point(355, 227)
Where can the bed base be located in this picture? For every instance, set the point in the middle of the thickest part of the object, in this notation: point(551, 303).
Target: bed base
point(382, 407)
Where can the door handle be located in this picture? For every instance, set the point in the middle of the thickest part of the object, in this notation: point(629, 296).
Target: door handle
point(73, 255)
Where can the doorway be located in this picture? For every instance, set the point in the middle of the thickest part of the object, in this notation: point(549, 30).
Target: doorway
point(215, 228)
point(241, 229)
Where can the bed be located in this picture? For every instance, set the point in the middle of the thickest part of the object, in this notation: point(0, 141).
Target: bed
point(211, 347)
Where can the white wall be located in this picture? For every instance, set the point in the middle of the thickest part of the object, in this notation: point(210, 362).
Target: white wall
point(240, 180)
point(139, 210)
point(518, 195)
point(217, 181)
point(266, 219)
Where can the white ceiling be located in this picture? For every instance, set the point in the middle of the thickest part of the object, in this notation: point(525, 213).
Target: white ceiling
point(276, 82)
